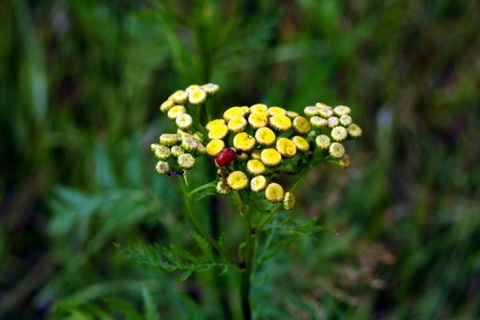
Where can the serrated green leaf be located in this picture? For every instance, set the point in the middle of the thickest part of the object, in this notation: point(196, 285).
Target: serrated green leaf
point(204, 247)
point(184, 276)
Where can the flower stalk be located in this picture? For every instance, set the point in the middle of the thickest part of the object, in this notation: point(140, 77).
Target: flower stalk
point(251, 147)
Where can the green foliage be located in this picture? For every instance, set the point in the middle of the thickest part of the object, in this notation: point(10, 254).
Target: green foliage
point(174, 258)
point(80, 83)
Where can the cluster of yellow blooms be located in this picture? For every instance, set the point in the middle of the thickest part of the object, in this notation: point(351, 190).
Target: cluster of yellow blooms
point(262, 141)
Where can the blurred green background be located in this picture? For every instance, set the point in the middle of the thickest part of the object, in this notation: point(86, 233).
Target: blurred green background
point(80, 86)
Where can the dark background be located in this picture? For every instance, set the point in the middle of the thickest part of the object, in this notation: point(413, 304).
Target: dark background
point(80, 86)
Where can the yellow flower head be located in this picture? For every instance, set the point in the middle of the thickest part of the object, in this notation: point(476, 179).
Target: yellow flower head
point(186, 161)
point(286, 147)
point(214, 123)
point(210, 88)
point(180, 97)
point(233, 112)
point(258, 120)
point(245, 109)
point(322, 141)
point(237, 124)
point(301, 125)
point(274, 192)
point(258, 183)
point(354, 131)
point(197, 96)
point(192, 87)
point(341, 110)
point(280, 122)
point(184, 121)
point(255, 167)
point(265, 136)
point(318, 122)
point(214, 147)
point(273, 111)
point(336, 150)
point(218, 132)
point(175, 111)
point(167, 105)
point(339, 133)
point(244, 141)
point(271, 157)
point(259, 108)
point(162, 167)
point(301, 143)
point(237, 180)
point(289, 201)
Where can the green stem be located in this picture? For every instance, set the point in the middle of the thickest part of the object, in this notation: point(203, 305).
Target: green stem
point(248, 257)
point(269, 216)
point(196, 221)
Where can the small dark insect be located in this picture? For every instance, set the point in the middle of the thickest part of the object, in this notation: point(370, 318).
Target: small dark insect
point(174, 171)
point(222, 173)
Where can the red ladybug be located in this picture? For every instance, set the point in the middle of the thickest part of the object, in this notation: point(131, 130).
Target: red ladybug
point(225, 157)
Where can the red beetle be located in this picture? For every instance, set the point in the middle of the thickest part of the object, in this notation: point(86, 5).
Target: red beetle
point(225, 157)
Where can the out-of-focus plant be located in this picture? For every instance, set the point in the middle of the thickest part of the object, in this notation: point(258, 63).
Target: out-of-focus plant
point(254, 148)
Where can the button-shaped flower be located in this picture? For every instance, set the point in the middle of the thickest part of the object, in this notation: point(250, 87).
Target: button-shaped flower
point(286, 147)
point(301, 125)
point(301, 143)
point(354, 131)
point(274, 192)
point(180, 97)
point(162, 167)
point(237, 180)
point(186, 161)
point(289, 201)
point(237, 124)
point(280, 122)
point(322, 141)
point(184, 121)
point(258, 183)
point(214, 147)
point(175, 111)
point(218, 132)
point(255, 167)
point(233, 112)
point(336, 150)
point(265, 136)
point(197, 96)
point(257, 120)
point(339, 133)
point(270, 157)
point(244, 141)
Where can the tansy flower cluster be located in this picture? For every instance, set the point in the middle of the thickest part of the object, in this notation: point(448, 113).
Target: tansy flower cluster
point(330, 127)
point(264, 139)
point(253, 145)
point(185, 145)
point(181, 148)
